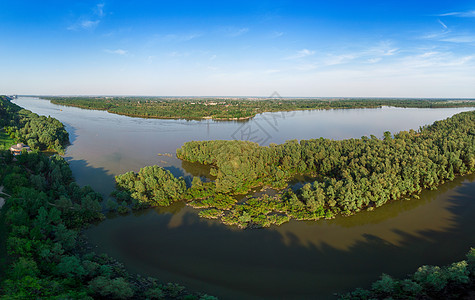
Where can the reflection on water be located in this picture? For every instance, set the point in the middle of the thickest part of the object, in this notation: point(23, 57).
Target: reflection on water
point(297, 260)
point(431, 212)
point(300, 260)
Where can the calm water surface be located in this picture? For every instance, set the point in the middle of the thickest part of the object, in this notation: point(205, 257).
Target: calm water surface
point(297, 260)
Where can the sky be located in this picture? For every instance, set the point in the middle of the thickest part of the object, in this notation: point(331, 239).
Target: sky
point(238, 48)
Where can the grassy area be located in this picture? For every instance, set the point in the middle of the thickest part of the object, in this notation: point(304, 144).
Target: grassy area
point(5, 140)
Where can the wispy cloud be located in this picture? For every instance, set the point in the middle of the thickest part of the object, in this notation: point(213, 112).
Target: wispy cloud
point(301, 54)
point(276, 34)
point(235, 32)
point(332, 60)
point(374, 60)
point(442, 23)
point(99, 10)
point(89, 21)
point(434, 59)
point(176, 38)
point(117, 51)
point(447, 35)
point(463, 14)
point(370, 55)
point(460, 39)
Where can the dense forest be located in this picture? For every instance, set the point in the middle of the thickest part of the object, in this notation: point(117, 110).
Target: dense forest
point(456, 281)
point(234, 108)
point(38, 132)
point(349, 175)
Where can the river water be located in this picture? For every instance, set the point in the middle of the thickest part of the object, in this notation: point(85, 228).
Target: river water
point(296, 260)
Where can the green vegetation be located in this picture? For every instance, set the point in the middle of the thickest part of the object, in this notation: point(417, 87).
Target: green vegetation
point(47, 257)
point(233, 108)
point(351, 175)
point(5, 140)
point(455, 281)
point(152, 185)
point(38, 132)
point(43, 254)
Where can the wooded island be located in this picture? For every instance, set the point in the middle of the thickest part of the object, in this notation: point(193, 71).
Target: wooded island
point(235, 108)
point(350, 175)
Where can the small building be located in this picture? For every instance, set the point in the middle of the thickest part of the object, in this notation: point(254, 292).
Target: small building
point(18, 148)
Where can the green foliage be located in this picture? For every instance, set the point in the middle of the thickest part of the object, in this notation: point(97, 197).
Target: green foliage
point(225, 109)
point(152, 185)
point(117, 288)
point(428, 282)
point(44, 215)
point(38, 132)
point(5, 140)
point(353, 174)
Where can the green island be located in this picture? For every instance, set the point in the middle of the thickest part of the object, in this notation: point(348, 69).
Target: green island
point(228, 108)
point(455, 281)
point(43, 253)
point(348, 175)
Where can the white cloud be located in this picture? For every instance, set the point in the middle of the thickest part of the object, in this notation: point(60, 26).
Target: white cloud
point(172, 37)
point(374, 60)
point(276, 34)
point(331, 59)
point(460, 39)
point(89, 21)
point(235, 32)
point(88, 24)
point(99, 10)
point(301, 54)
point(117, 51)
point(435, 60)
point(442, 23)
point(463, 14)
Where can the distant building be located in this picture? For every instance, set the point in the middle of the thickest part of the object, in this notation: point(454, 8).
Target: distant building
point(16, 149)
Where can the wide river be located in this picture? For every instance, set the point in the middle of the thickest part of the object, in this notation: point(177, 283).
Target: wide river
point(298, 260)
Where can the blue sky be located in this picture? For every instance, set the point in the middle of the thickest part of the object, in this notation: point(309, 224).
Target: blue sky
point(240, 48)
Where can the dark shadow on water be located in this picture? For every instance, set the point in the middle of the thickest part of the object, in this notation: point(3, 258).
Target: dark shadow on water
point(197, 169)
point(71, 131)
point(176, 245)
point(98, 178)
point(177, 172)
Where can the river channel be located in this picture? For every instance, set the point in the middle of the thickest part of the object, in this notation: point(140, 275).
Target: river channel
point(298, 260)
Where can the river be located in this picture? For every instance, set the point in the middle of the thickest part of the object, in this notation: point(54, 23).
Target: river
point(296, 260)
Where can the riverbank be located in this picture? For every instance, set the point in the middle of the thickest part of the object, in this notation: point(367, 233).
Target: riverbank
point(237, 110)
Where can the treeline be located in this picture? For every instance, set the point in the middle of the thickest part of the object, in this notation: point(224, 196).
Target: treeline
point(38, 132)
point(47, 255)
point(456, 281)
point(350, 175)
point(226, 109)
